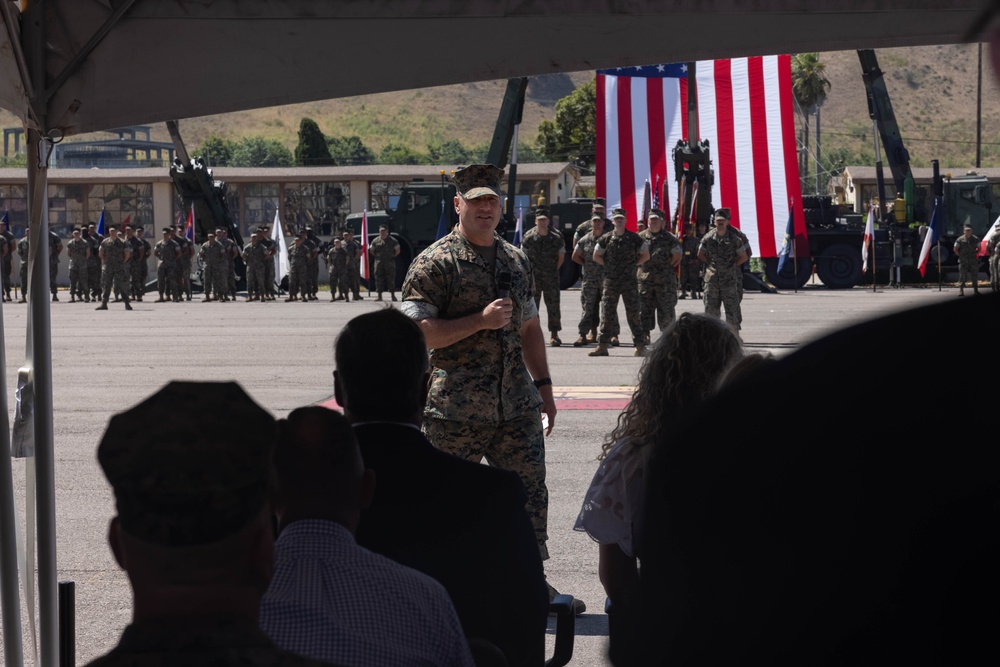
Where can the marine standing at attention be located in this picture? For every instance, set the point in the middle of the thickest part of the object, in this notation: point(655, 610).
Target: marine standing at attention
point(546, 250)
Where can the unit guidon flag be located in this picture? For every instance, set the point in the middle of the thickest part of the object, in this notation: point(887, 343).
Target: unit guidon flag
point(745, 111)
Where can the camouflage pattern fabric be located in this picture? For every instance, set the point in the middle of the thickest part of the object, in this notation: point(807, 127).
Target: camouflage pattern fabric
point(517, 445)
point(720, 278)
point(968, 264)
point(94, 264)
point(143, 265)
point(739, 270)
point(184, 272)
point(167, 280)
point(312, 268)
point(203, 640)
point(270, 247)
point(582, 230)
point(230, 269)
point(337, 268)
point(77, 250)
point(135, 280)
point(658, 280)
point(255, 256)
point(481, 382)
point(543, 252)
point(114, 273)
point(213, 254)
point(384, 253)
point(621, 254)
point(298, 260)
point(22, 252)
point(690, 265)
point(353, 266)
point(592, 289)
point(55, 247)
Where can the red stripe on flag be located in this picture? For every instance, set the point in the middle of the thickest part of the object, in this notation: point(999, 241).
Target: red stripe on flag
point(792, 184)
point(761, 162)
point(600, 184)
point(726, 159)
point(626, 161)
point(657, 132)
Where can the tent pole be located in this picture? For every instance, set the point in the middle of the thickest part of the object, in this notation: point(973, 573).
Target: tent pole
point(41, 370)
point(10, 599)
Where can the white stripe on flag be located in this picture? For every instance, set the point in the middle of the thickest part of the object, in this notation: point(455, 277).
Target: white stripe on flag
point(640, 140)
point(708, 120)
point(743, 143)
point(780, 197)
point(612, 168)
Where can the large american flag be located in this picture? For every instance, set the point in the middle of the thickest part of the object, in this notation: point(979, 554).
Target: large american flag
point(745, 111)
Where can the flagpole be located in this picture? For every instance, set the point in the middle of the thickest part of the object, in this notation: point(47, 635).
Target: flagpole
point(938, 262)
point(874, 265)
point(795, 262)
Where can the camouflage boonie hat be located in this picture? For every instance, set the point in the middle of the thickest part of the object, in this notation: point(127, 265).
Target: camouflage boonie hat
point(721, 213)
point(190, 464)
point(542, 212)
point(618, 213)
point(658, 213)
point(478, 180)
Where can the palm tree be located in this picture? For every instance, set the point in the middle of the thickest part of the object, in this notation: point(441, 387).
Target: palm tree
point(810, 86)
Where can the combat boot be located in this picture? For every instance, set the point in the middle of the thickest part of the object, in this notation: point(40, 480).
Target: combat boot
point(291, 298)
point(128, 306)
point(580, 342)
point(600, 351)
point(72, 299)
point(614, 341)
point(684, 295)
point(55, 297)
point(393, 295)
point(379, 297)
point(640, 350)
point(554, 340)
point(592, 336)
point(103, 306)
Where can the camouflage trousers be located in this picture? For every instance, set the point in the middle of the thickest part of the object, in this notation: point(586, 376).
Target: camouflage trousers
point(167, 281)
point(215, 282)
point(691, 275)
point(385, 276)
point(230, 276)
point(629, 293)
point(143, 276)
point(338, 282)
point(94, 276)
point(590, 300)
point(517, 445)
point(7, 270)
point(269, 276)
point(136, 283)
point(549, 288)
point(24, 280)
point(658, 300)
point(184, 277)
point(995, 271)
point(255, 281)
point(354, 278)
point(970, 272)
point(117, 278)
point(297, 281)
point(79, 283)
point(53, 274)
point(719, 293)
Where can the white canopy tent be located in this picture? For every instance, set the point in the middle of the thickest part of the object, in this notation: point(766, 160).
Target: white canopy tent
point(72, 66)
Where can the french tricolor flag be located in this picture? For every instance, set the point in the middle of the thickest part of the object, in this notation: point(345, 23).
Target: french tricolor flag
point(745, 111)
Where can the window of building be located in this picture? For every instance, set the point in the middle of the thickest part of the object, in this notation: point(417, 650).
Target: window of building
point(14, 202)
point(323, 206)
point(122, 203)
point(384, 195)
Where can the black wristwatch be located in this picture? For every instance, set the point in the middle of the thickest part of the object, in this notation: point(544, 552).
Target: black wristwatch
point(542, 382)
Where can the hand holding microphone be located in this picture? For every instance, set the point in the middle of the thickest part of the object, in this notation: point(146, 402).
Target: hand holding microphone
point(498, 313)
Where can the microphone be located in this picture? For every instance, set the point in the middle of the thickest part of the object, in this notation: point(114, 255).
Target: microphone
point(503, 284)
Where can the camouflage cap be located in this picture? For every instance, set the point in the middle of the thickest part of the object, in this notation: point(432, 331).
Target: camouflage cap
point(598, 202)
point(722, 213)
point(618, 213)
point(478, 180)
point(657, 213)
point(190, 464)
point(967, 225)
point(542, 212)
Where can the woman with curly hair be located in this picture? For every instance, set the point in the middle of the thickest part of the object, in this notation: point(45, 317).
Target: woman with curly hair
point(683, 368)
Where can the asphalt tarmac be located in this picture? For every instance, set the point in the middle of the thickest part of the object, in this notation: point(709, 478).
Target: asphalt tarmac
point(103, 362)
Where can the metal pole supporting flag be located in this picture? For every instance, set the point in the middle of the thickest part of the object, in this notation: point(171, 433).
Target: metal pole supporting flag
point(938, 262)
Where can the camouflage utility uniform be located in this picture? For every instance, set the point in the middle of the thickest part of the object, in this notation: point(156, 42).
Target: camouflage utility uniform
point(544, 253)
point(621, 254)
point(353, 266)
point(658, 280)
point(135, 280)
point(22, 252)
point(690, 266)
point(213, 278)
point(79, 287)
point(142, 267)
point(481, 401)
point(114, 271)
point(384, 252)
point(298, 261)
point(968, 264)
point(255, 256)
point(311, 284)
point(270, 250)
point(55, 248)
point(336, 263)
point(166, 273)
point(94, 264)
point(231, 250)
point(184, 268)
point(591, 289)
point(720, 275)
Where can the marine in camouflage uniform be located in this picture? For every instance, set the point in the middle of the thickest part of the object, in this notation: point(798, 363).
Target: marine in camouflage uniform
point(167, 283)
point(336, 263)
point(690, 264)
point(161, 478)
point(142, 265)
point(298, 264)
point(482, 401)
point(353, 249)
point(94, 263)
point(7, 263)
point(658, 276)
point(115, 253)
point(967, 247)
point(620, 251)
point(592, 284)
point(994, 249)
point(22, 252)
point(78, 250)
point(55, 248)
point(255, 256)
point(184, 265)
point(546, 250)
point(739, 270)
point(384, 250)
point(213, 255)
point(136, 284)
point(597, 210)
point(723, 252)
point(231, 251)
point(271, 248)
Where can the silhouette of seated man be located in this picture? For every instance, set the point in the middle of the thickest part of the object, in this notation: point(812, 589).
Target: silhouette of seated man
point(190, 471)
point(331, 599)
point(462, 523)
point(860, 526)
